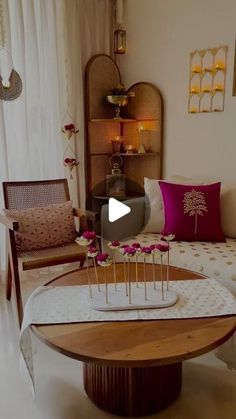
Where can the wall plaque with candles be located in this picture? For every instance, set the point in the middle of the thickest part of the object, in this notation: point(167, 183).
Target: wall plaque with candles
point(207, 75)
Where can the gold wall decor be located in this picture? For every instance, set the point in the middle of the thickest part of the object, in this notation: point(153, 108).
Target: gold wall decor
point(207, 72)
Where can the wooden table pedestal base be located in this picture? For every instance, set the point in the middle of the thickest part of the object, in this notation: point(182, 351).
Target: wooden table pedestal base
point(132, 391)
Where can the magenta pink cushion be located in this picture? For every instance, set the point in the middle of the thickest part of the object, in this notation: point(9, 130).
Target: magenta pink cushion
point(192, 212)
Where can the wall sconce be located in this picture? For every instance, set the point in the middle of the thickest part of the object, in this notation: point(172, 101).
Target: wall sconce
point(119, 41)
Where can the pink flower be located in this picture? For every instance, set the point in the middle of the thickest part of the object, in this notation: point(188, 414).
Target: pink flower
point(102, 257)
point(70, 162)
point(69, 127)
point(92, 249)
point(114, 245)
point(129, 251)
point(123, 247)
point(89, 235)
point(162, 247)
point(167, 237)
point(146, 249)
point(136, 245)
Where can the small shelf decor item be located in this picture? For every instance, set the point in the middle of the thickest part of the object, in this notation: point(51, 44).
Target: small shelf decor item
point(141, 149)
point(115, 181)
point(117, 144)
point(207, 73)
point(118, 97)
point(132, 292)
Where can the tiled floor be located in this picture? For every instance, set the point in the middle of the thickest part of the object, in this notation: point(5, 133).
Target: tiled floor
point(209, 389)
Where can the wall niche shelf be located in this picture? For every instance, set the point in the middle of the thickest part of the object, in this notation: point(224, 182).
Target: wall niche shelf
point(144, 112)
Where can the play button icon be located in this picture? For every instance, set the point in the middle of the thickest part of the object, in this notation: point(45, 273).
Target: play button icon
point(117, 210)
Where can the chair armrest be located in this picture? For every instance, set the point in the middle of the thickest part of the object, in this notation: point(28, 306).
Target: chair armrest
point(9, 222)
point(87, 218)
point(90, 215)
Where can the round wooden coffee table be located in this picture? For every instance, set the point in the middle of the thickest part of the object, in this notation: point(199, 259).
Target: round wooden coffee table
point(134, 368)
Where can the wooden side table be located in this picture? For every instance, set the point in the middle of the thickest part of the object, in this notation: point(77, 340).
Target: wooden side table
point(134, 368)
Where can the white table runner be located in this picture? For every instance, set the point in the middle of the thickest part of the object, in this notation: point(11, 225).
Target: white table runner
point(70, 304)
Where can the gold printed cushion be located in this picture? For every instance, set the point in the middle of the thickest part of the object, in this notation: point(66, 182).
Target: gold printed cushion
point(44, 227)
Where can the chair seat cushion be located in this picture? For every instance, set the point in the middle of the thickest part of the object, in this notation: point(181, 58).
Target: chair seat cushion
point(44, 227)
point(49, 257)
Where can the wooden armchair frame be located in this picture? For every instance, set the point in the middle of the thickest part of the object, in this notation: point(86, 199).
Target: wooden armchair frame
point(17, 196)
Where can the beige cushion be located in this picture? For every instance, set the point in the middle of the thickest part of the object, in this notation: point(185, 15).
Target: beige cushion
point(44, 227)
point(228, 210)
point(154, 217)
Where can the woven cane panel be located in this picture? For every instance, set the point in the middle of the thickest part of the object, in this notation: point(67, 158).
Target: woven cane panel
point(102, 76)
point(102, 134)
point(35, 195)
point(146, 104)
point(136, 168)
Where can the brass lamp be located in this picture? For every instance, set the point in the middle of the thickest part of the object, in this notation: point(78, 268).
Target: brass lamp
point(119, 41)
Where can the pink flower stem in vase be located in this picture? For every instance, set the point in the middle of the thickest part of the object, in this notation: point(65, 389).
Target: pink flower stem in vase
point(162, 285)
point(129, 281)
point(106, 284)
point(136, 269)
point(96, 274)
point(153, 271)
point(114, 268)
point(88, 273)
point(144, 278)
point(168, 270)
point(125, 277)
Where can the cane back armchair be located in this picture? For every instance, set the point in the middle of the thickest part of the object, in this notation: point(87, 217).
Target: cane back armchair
point(33, 194)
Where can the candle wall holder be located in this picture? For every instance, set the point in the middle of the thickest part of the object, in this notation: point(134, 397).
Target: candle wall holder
point(207, 73)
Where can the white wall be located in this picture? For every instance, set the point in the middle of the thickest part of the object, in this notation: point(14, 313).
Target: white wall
point(160, 36)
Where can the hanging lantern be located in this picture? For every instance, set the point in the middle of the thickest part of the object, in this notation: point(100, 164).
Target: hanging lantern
point(119, 41)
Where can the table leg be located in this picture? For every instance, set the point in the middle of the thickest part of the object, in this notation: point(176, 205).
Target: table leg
point(132, 391)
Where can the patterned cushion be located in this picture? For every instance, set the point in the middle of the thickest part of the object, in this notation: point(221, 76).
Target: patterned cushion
point(154, 213)
point(44, 227)
point(192, 212)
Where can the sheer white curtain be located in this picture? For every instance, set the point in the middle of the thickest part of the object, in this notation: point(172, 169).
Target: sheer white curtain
point(50, 42)
point(85, 28)
point(30, 139)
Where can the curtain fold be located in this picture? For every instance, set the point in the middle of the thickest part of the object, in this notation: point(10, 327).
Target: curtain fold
point(31, 146)
point(50, 42)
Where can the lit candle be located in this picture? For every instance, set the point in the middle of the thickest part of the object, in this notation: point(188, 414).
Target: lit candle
point(196, 69)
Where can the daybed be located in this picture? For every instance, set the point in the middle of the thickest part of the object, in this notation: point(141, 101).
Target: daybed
point(213, 259)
